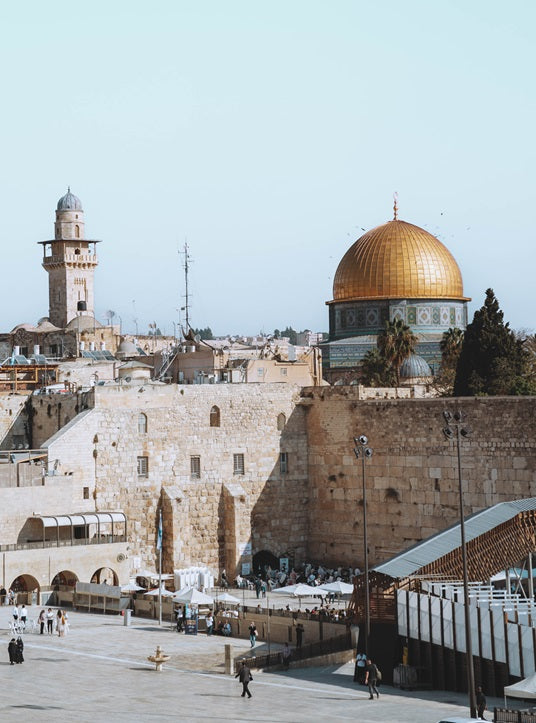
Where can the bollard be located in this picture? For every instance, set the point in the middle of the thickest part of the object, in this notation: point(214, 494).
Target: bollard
point(228, 660)
point(126, 618)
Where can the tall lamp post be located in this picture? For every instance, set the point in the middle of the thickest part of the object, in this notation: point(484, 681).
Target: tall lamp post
point(455, 430)
point(363, 451)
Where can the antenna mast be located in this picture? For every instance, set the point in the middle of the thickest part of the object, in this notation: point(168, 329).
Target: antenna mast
point(186, 266)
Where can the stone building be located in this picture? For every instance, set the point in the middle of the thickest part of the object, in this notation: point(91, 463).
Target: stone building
point(395, 271)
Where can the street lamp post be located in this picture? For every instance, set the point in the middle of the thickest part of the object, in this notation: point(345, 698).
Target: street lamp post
point(455, 429)
point(362, 450)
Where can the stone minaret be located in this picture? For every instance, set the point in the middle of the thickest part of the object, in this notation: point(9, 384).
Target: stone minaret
point(70, 260)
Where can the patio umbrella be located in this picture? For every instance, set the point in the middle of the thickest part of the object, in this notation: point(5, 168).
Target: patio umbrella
point(226, 598)
point(156, 591)
point(339, 587)
point(193, 596)
point(131, 587)
point(299, 590)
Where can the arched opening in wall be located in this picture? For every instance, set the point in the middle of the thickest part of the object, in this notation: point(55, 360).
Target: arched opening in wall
point(142, 423)
point(264, 559)
point(215, 417)
point(105, 576)
point(281, 421)
point(26, 589)
point(64, 580)
point(77, 231)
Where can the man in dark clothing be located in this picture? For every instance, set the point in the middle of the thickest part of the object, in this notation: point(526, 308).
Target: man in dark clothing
point(12, 650)
point(244, 676)
point(480, 702)
point(299, 635)
point(371, 678)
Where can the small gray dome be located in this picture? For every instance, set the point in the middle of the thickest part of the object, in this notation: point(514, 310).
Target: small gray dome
point(69, 202)
point(414, 366)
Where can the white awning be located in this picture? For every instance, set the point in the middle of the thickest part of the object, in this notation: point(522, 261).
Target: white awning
point(93, 518)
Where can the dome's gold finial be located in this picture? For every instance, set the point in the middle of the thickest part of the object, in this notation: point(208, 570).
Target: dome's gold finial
point(395, 206)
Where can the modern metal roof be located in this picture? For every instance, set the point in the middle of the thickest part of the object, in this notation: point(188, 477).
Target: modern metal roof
point(428, 551)
point(86, 518)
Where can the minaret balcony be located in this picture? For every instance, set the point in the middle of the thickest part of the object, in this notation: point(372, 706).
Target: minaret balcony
point(71, 260)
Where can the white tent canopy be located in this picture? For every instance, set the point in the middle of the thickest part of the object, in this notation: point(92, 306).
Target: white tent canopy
point(299, 590)
point(156, 592)
point(339, 587)
point(193, 596)
point(524, 689)
point(225, 597)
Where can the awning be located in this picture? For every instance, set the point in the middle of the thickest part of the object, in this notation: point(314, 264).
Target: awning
point(93, 518)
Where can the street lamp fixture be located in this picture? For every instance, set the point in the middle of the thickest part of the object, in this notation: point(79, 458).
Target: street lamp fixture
point(363, 451)
point(456, 430)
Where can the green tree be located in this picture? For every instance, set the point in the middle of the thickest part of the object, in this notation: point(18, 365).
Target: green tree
point(291, 334)
point(492, 360)
point(205, 333)
point(450, 345)
point(376, 371)
point(396, 343)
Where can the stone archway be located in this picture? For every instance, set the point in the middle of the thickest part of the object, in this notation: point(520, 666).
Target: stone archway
point(65, 578)
point(106, 576)
point(26, 589)
point(263, 559)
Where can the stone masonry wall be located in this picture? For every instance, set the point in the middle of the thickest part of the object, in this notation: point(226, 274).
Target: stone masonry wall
point(412, 478)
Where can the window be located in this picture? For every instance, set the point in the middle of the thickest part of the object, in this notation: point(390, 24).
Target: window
point(215, 417)
point(195, 467)
point(142, 423)
point(260, 371)
point(283, 371)
point(281, 421)
point(143, 466)
point(283, 463)
point(86, 493)
point(77, 232)
point(238, 464)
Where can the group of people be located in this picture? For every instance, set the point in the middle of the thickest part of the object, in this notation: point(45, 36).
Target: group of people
point(15, 650)
point(7, 597)
point(269, 579)
point(58, 621)
point(20, 616)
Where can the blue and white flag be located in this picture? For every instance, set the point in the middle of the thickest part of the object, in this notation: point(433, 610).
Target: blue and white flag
point(159, 537)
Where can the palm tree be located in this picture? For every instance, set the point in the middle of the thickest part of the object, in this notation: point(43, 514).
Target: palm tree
point(450, 346)
point(396, 343)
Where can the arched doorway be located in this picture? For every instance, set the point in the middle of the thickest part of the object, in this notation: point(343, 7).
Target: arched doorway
point(264, 559)
point(105, 576)
point(64, 579)
point(26, 589)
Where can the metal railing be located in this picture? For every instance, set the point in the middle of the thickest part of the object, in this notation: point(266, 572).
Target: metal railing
point(503, 715)
point(310, 650)
point(39, 544)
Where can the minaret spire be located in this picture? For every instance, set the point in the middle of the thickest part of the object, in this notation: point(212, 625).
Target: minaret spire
point(395, 206)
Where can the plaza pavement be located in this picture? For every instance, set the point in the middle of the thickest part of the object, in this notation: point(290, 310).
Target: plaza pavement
point(99, 672)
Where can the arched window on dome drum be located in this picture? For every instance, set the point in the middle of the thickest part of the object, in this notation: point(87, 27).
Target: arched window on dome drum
point(215, 417)
point(142, 423)
point(281, 421)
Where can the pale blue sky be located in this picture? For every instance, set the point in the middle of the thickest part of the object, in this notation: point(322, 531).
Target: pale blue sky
point(268, 134)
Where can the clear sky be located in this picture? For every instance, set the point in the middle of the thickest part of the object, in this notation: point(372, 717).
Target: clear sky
point(267, 134)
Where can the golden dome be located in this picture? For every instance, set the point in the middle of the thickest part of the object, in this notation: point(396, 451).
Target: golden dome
point(397, 261)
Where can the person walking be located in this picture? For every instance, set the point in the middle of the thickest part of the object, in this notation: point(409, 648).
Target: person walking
point(50, 621)
point(23, 615)
point(20, 647)
point(481, 703)
point(285, 656)
point(299, 635)
point(12, 651)
point(245, 677)
point(42, 620)
point(371, 678)
point(361, 662)
point(210, 624)
point(252, 634)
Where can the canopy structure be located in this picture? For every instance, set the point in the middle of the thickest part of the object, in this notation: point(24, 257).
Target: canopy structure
point(159, 591)
point(524, 689)
point(131, 587)
point(225, 597)
point(193, 596)
point(339, 587)
point(299, 590)
point(84, 519)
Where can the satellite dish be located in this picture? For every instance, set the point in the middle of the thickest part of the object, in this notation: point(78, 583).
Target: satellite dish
point(197, 338)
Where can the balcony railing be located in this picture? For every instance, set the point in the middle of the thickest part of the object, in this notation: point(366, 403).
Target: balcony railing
point(40, 544)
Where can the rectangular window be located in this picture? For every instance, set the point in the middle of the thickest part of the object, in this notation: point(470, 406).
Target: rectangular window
point(238, 464)
point(195, 467)
point(283, 371)
point(260, 371)
point(143, 466)
point(283, 463)
point(86, 493)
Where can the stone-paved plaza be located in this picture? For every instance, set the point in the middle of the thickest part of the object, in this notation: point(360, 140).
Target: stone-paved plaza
point(99, 672)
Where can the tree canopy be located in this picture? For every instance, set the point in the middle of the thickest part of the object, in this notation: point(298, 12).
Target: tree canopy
point(492, 360)
point(205, 333)
point(396, 343)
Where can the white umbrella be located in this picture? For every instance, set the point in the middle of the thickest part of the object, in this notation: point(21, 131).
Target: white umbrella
point(193, 596)
point(339, 587)
point(225, 597)
point(131, 587)
point(157, 591)
point(299, 590)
